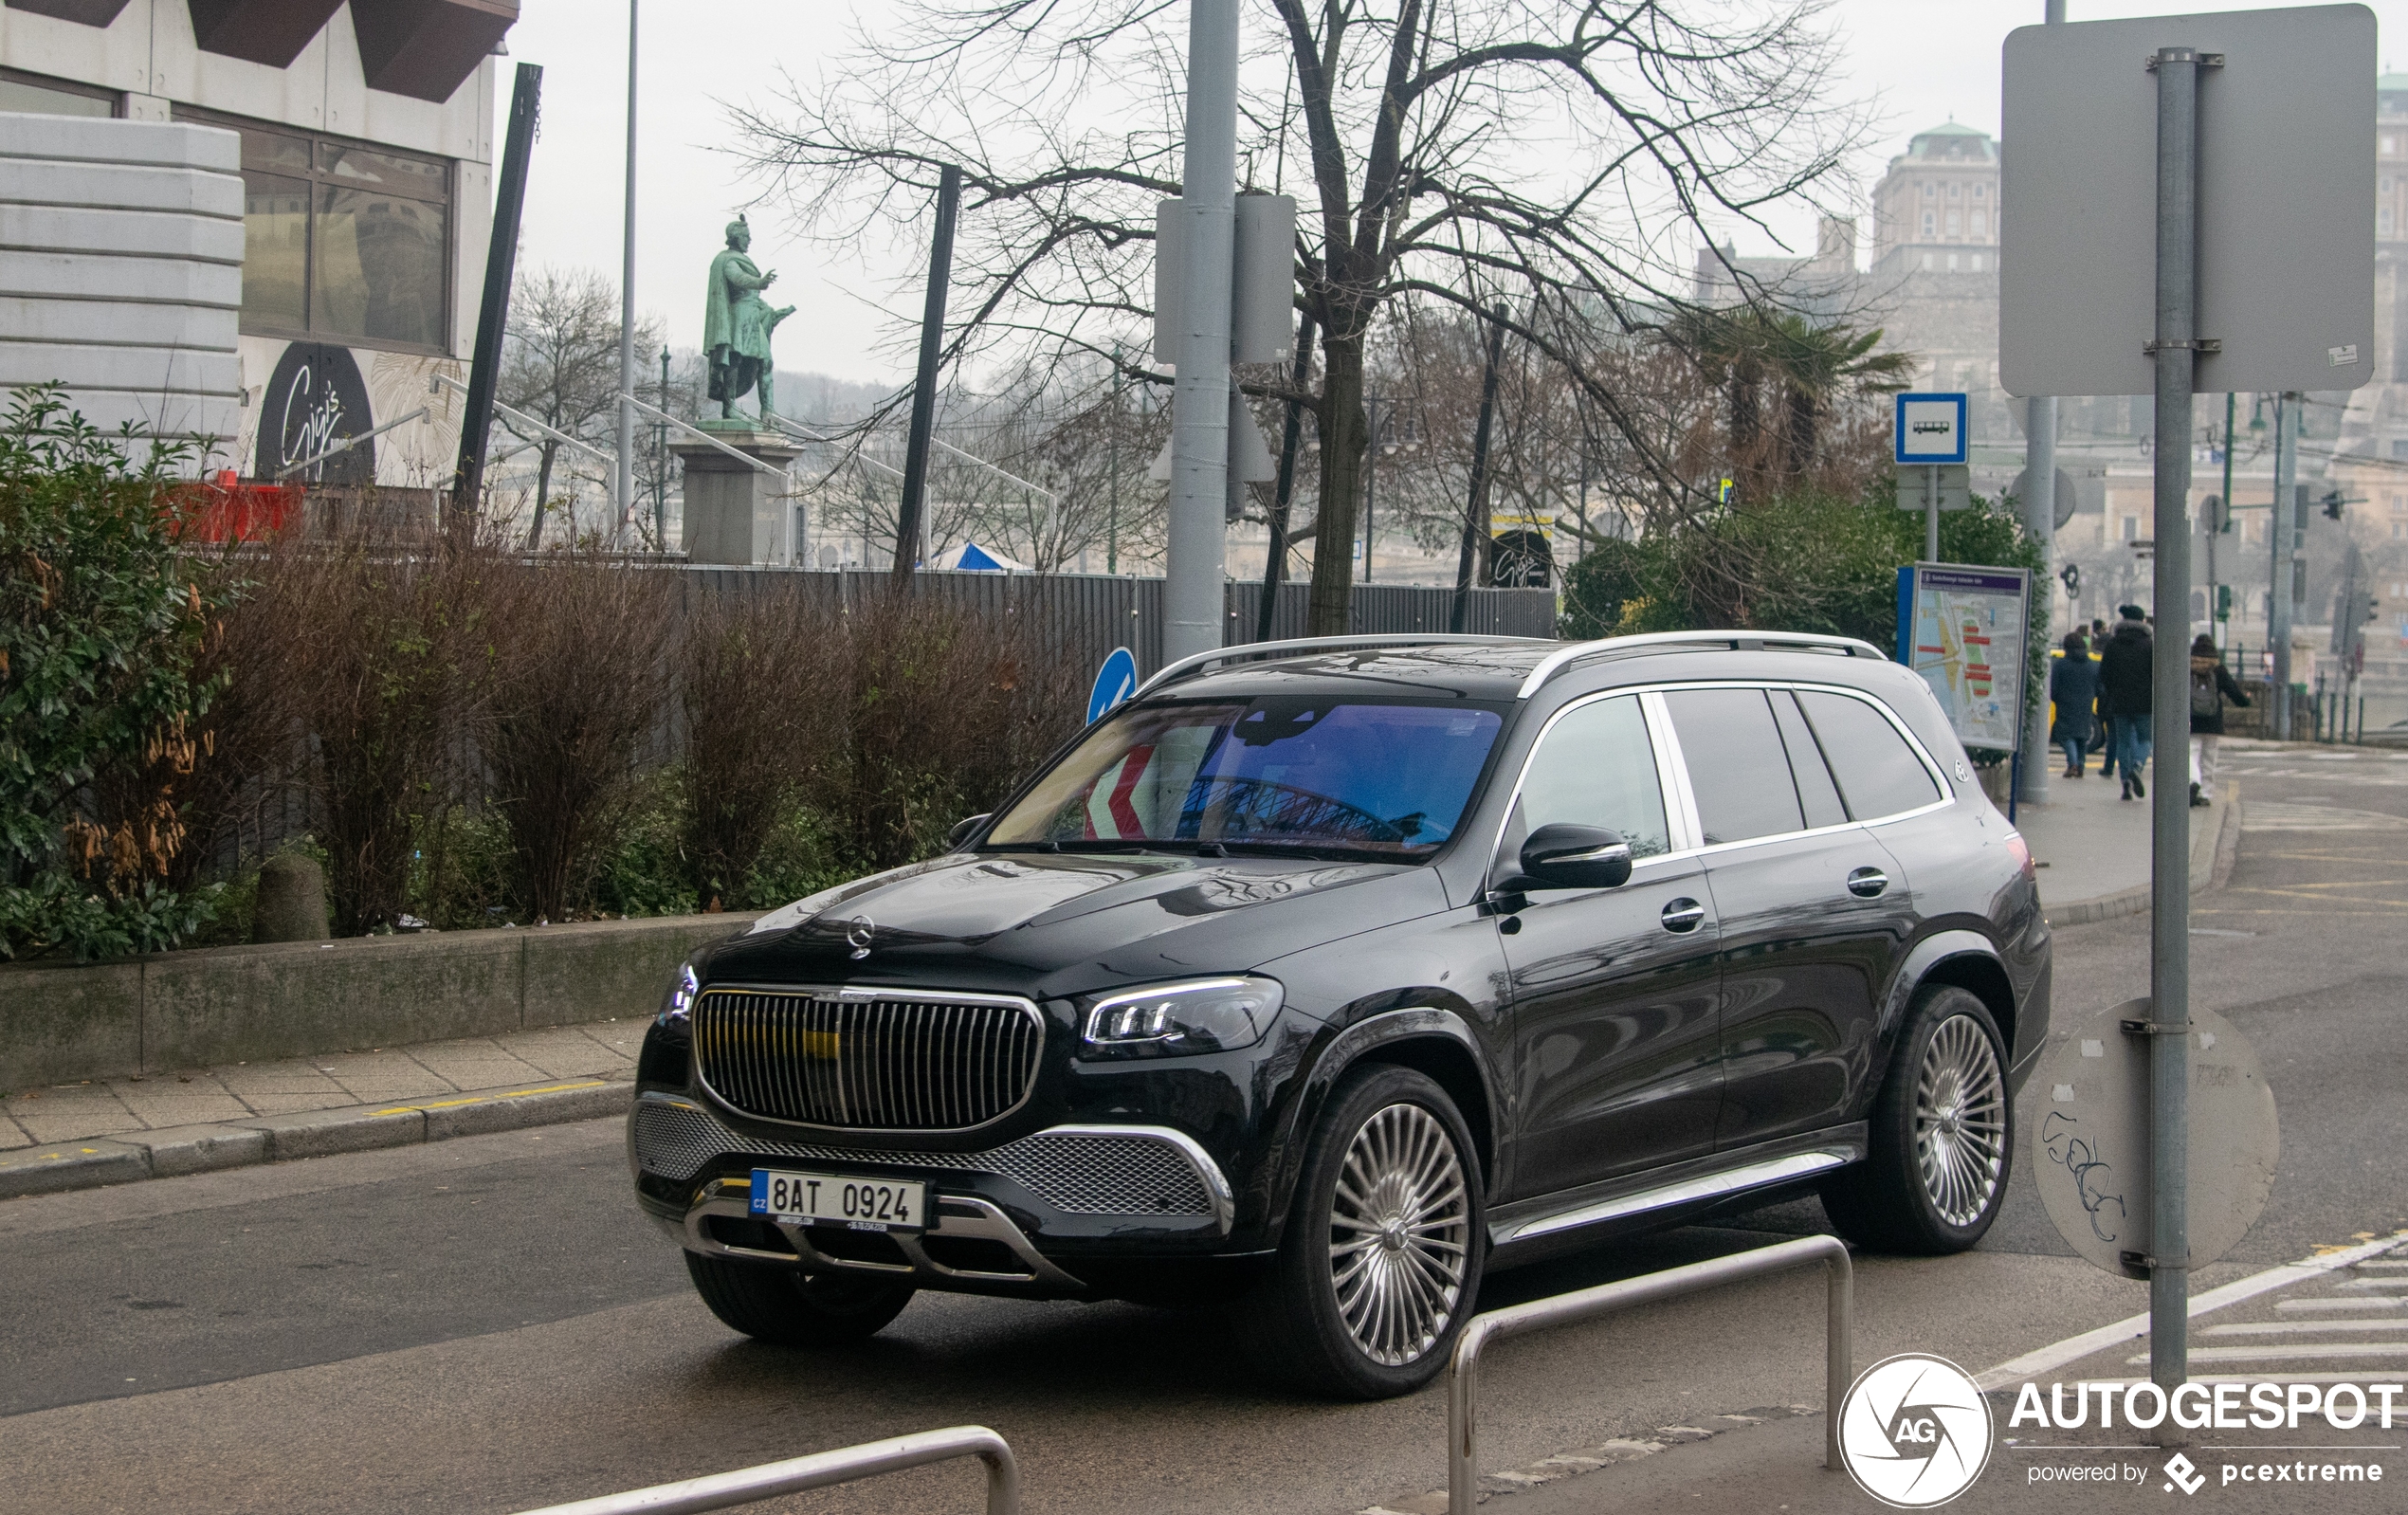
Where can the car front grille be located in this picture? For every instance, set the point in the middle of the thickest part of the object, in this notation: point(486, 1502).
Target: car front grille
point(851, 1062)
point(1081, 1172)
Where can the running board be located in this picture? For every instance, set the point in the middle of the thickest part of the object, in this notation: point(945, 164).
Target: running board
point(1729, 1174)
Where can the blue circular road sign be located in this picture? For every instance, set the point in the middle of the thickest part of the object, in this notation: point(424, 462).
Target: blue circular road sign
point(1114, 683)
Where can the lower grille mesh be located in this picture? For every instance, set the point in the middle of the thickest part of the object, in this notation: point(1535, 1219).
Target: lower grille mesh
point(1136, 1175)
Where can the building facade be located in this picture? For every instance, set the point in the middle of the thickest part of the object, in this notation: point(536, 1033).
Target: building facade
point(361, 135)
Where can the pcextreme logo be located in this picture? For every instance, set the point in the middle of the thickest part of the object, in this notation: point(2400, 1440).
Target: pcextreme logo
point(1914, 1431)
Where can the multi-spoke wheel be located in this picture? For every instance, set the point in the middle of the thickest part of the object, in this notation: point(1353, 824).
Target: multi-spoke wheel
point(1380, 1260)
point(1941, 1135)
point(1399, 1234)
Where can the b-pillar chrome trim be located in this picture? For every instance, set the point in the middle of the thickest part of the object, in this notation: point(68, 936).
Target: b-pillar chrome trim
point(958, 1215)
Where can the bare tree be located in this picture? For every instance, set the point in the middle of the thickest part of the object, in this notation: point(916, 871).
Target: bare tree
point(561, 364)
point(1565, 158)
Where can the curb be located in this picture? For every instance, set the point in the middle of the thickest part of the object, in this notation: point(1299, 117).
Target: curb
point(175, 1151)
point(2211, 857)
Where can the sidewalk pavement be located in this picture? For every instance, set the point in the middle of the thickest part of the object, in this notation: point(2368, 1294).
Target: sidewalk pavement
point(106, 1131)
point(2092, 847)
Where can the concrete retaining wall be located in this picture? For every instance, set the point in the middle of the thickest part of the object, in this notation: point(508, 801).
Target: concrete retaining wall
point(178, 1010)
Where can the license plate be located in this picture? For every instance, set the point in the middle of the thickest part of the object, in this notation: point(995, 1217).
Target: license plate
point(827, 1198)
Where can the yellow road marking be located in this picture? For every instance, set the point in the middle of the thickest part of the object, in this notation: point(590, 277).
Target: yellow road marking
point(504, 1094)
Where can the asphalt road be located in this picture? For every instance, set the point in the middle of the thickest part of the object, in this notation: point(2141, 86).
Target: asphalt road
point(485, 1326)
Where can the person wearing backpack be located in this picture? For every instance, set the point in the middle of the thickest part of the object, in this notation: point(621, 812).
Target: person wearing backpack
point(2211, 685)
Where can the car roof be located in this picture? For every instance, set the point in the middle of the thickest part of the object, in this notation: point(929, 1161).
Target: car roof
point(1501, 668)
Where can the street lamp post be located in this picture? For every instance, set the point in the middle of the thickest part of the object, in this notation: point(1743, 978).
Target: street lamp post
point(624, 481)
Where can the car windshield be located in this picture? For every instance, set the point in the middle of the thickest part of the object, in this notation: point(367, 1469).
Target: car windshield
point(1283, 773)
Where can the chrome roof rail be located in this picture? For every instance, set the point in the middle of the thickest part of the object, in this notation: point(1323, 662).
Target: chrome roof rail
point(1555, 662)
point(1323, 644)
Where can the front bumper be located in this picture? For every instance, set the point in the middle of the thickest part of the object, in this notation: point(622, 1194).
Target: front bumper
point(1112, 1190)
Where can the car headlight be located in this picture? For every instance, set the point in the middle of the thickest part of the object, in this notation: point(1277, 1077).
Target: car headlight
point(679, 1000)
point(1180, 1019)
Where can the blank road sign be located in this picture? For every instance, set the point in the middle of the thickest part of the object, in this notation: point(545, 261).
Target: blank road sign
point(1930, 428)
point(2286, 183)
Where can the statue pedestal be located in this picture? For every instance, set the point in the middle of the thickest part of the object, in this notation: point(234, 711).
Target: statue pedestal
point(735, 514)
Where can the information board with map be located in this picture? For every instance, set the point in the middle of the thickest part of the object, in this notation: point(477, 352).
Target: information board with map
point(1961, 627)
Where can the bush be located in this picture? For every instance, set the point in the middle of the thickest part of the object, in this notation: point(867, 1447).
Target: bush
point(1802, 563)
point(103, 623)
point(758, 676)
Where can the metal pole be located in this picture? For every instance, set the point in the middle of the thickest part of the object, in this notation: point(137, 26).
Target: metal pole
point(923, 394)
point(2170, 814)
point(1371, 481)
point(2281, 539)
point(2040, 520)
point(623, 478)
point(660, 451)
point(1476, 508)
point(1931, 513)
point(1197, 541)
point(1275, 566)
point(2216, 523)
point(501, 259)
point(1112, 522)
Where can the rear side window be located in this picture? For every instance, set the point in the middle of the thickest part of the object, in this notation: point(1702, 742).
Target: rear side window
point(1816, 790)
point(1598, 768)
point(1878, 773)
point(1739, 771)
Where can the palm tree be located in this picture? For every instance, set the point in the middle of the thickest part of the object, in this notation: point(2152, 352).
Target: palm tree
point(1809, 365)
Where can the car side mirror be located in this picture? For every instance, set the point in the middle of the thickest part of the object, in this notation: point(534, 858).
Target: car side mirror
point(1565, 857)
point(965, 829)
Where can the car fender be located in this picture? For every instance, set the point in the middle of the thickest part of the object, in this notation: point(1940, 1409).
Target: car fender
point(1924, 956)
point(1383, 1021)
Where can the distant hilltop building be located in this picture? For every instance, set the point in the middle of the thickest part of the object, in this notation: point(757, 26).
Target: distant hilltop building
point(1935, 211)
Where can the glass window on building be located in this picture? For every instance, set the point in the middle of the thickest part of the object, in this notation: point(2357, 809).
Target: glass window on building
point(344, 242)
point(1930, 188)
point(1955, 222)
point(1981, 189)
point(1956, 192)
point(34, 95)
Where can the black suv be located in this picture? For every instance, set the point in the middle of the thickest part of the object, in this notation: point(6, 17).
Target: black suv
point(1323, 976)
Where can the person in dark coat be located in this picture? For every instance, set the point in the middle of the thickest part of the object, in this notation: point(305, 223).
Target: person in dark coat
point(2126, 682)
point(2074, 685)
point(2211, 685)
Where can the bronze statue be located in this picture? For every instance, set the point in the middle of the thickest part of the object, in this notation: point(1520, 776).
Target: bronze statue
point(737, 324)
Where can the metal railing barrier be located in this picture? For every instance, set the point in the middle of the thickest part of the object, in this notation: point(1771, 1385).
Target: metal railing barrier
point(750, 1486)
point(1463, 1375)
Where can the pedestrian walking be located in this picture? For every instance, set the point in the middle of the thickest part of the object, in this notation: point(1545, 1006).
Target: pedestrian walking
point(2211, 685)
point(2074, 687)
point(2126, 686)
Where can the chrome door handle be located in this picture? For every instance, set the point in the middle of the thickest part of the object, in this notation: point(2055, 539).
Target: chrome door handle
point(1866, 882)
point(1682, 914)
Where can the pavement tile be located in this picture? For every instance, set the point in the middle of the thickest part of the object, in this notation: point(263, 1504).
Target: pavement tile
point(331, 1097)
point(156, 1105)
point(473, 1063)
point(76, 1110)
point(624, 1037)
point(383, 1077)
point(285, 1077)
point(563, 1051)
point(12, 1136)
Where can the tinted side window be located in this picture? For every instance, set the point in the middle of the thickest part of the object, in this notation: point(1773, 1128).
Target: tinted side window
point(1814, 789)
point(1738, 769)
point(1596, 768)
point(1878, 773)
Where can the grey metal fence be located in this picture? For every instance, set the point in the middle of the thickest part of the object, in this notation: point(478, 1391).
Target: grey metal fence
point(750, 1486)
point(1462, 1374)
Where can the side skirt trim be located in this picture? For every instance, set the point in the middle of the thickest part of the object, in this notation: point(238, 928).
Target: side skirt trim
point(1724, 1173)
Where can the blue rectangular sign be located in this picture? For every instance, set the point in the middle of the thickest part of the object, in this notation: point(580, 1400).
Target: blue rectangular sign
point(1930, 428)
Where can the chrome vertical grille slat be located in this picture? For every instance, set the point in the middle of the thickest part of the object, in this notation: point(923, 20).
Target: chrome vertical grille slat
point(868, 1060)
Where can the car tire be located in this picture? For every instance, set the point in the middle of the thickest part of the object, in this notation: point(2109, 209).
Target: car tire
point(1942, 1136)
point(786, 1306)
point(1372, 1284)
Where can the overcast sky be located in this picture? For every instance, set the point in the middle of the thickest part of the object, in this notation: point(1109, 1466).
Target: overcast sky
point(1923, 62)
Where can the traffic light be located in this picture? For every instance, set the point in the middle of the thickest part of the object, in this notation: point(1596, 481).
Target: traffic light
point(2332, 504)
point(2071, 576)
point(2223, 602)
point(2372, 608)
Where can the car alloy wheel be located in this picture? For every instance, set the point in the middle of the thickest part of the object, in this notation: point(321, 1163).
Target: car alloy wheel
point(1961, 1121)
point(1399, 1233)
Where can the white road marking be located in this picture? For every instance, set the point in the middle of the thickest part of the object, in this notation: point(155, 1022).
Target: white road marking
point(2374, 1283)
point(2291, 1328)
point(2377, 1304)
point(2287, 1354)
point(2283, 816)
point(2073, 1348)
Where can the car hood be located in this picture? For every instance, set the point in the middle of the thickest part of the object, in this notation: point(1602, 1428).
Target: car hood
point(1047, 924)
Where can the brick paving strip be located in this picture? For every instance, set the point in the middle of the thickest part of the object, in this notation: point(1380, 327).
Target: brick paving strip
point(81, 1136)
